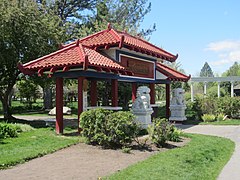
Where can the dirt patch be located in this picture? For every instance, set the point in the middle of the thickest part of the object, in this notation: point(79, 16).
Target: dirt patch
point(83, 161)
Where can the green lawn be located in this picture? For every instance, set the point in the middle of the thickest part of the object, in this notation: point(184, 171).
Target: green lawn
point(203, 158)
point(32, 144)
point(226, 122)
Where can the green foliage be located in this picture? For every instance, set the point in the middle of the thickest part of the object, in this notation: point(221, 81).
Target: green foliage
point(108, 129)
point(161, 131)
point(234, 70)
point(7, 130)
point(206, 71)
point(175, 135)
point(26, 33)
point(208, 117)
point(229, 106)
point(194, 111)
point(213, 92)
point(220, 117)
point(28, 91)
point(210, 105)
point(126, 150)
point(122, 14)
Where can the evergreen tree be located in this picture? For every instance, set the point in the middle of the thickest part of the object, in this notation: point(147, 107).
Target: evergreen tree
point(234, 70)
point(206, 71)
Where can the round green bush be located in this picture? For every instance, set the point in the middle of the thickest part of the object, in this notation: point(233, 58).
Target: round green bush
point(107, 128)
point(7, 130)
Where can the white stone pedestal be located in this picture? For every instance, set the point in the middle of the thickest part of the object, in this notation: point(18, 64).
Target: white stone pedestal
point(143, 118)
point(177, 113)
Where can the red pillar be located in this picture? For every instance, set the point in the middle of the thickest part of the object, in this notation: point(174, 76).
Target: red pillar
point(80, 98)
point(93, 93)
point(134, 91)
point(59, 105)
point(167, 101)
point(152, 93)
point(114, 92)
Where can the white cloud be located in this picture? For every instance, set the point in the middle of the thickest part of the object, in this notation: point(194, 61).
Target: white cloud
point(227, 51)
point(227, 58)
point(223, 45)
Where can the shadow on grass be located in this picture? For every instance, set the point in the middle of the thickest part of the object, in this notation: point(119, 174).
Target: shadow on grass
point(35, 123)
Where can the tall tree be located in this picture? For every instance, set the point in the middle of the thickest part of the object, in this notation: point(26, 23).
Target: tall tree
point(26, 33)
point(206, 71)
point(124, 15)
point(234, 70)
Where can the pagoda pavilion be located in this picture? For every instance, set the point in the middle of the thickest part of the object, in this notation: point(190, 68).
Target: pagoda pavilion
point(110, 55)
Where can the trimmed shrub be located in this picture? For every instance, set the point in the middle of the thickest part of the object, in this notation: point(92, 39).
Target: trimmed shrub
point(162, 131)
point(107, 128)
point(208, 118)
point(7, 130)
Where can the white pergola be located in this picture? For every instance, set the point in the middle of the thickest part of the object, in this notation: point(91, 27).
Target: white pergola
point(206, 80)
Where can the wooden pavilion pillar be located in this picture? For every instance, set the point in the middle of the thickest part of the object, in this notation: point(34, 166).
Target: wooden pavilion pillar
point(80, 98)
point(134, 91)
point(114, 85)
point(152, 93)
point(167, 101)
point(59, 105)
point(93, 93)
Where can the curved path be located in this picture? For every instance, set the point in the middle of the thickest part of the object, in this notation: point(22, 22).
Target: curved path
point(232, 168)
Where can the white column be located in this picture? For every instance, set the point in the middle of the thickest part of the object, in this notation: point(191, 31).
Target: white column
point(232, 84)
point(219, 89)
point(191, 91)
point(205, 88)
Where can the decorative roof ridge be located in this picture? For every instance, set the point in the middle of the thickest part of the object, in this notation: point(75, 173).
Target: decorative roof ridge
point(83, 55)
point(85, 38)
point(158, 63)
point(143, 40)
point(49, 55)
point(115, 34)
point(94, 34)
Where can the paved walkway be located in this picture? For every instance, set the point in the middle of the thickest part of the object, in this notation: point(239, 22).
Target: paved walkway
point(232, 168)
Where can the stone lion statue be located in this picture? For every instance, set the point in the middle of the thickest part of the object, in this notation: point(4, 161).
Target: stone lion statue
point(142, 102)
point(178, 97)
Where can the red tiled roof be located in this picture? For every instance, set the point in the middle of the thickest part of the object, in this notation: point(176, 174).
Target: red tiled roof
point(74, 55)
point(172, 74)
point(111, 37)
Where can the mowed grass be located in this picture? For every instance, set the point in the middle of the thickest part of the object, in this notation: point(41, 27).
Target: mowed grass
point(226, 122)
point(32, 144)
point(202, 158)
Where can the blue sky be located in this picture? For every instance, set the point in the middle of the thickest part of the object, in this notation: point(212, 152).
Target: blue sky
point(198, 30)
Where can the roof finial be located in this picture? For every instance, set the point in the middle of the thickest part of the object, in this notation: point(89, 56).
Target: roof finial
point(109, 26)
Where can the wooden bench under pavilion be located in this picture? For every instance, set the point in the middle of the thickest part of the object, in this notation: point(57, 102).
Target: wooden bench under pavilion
point(108, 54)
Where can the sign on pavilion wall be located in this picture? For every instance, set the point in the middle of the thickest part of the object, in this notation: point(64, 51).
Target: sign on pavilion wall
point(140, 68)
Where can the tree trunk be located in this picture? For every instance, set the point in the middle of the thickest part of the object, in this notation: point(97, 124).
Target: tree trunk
point(47, 98)
point(6, 108)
